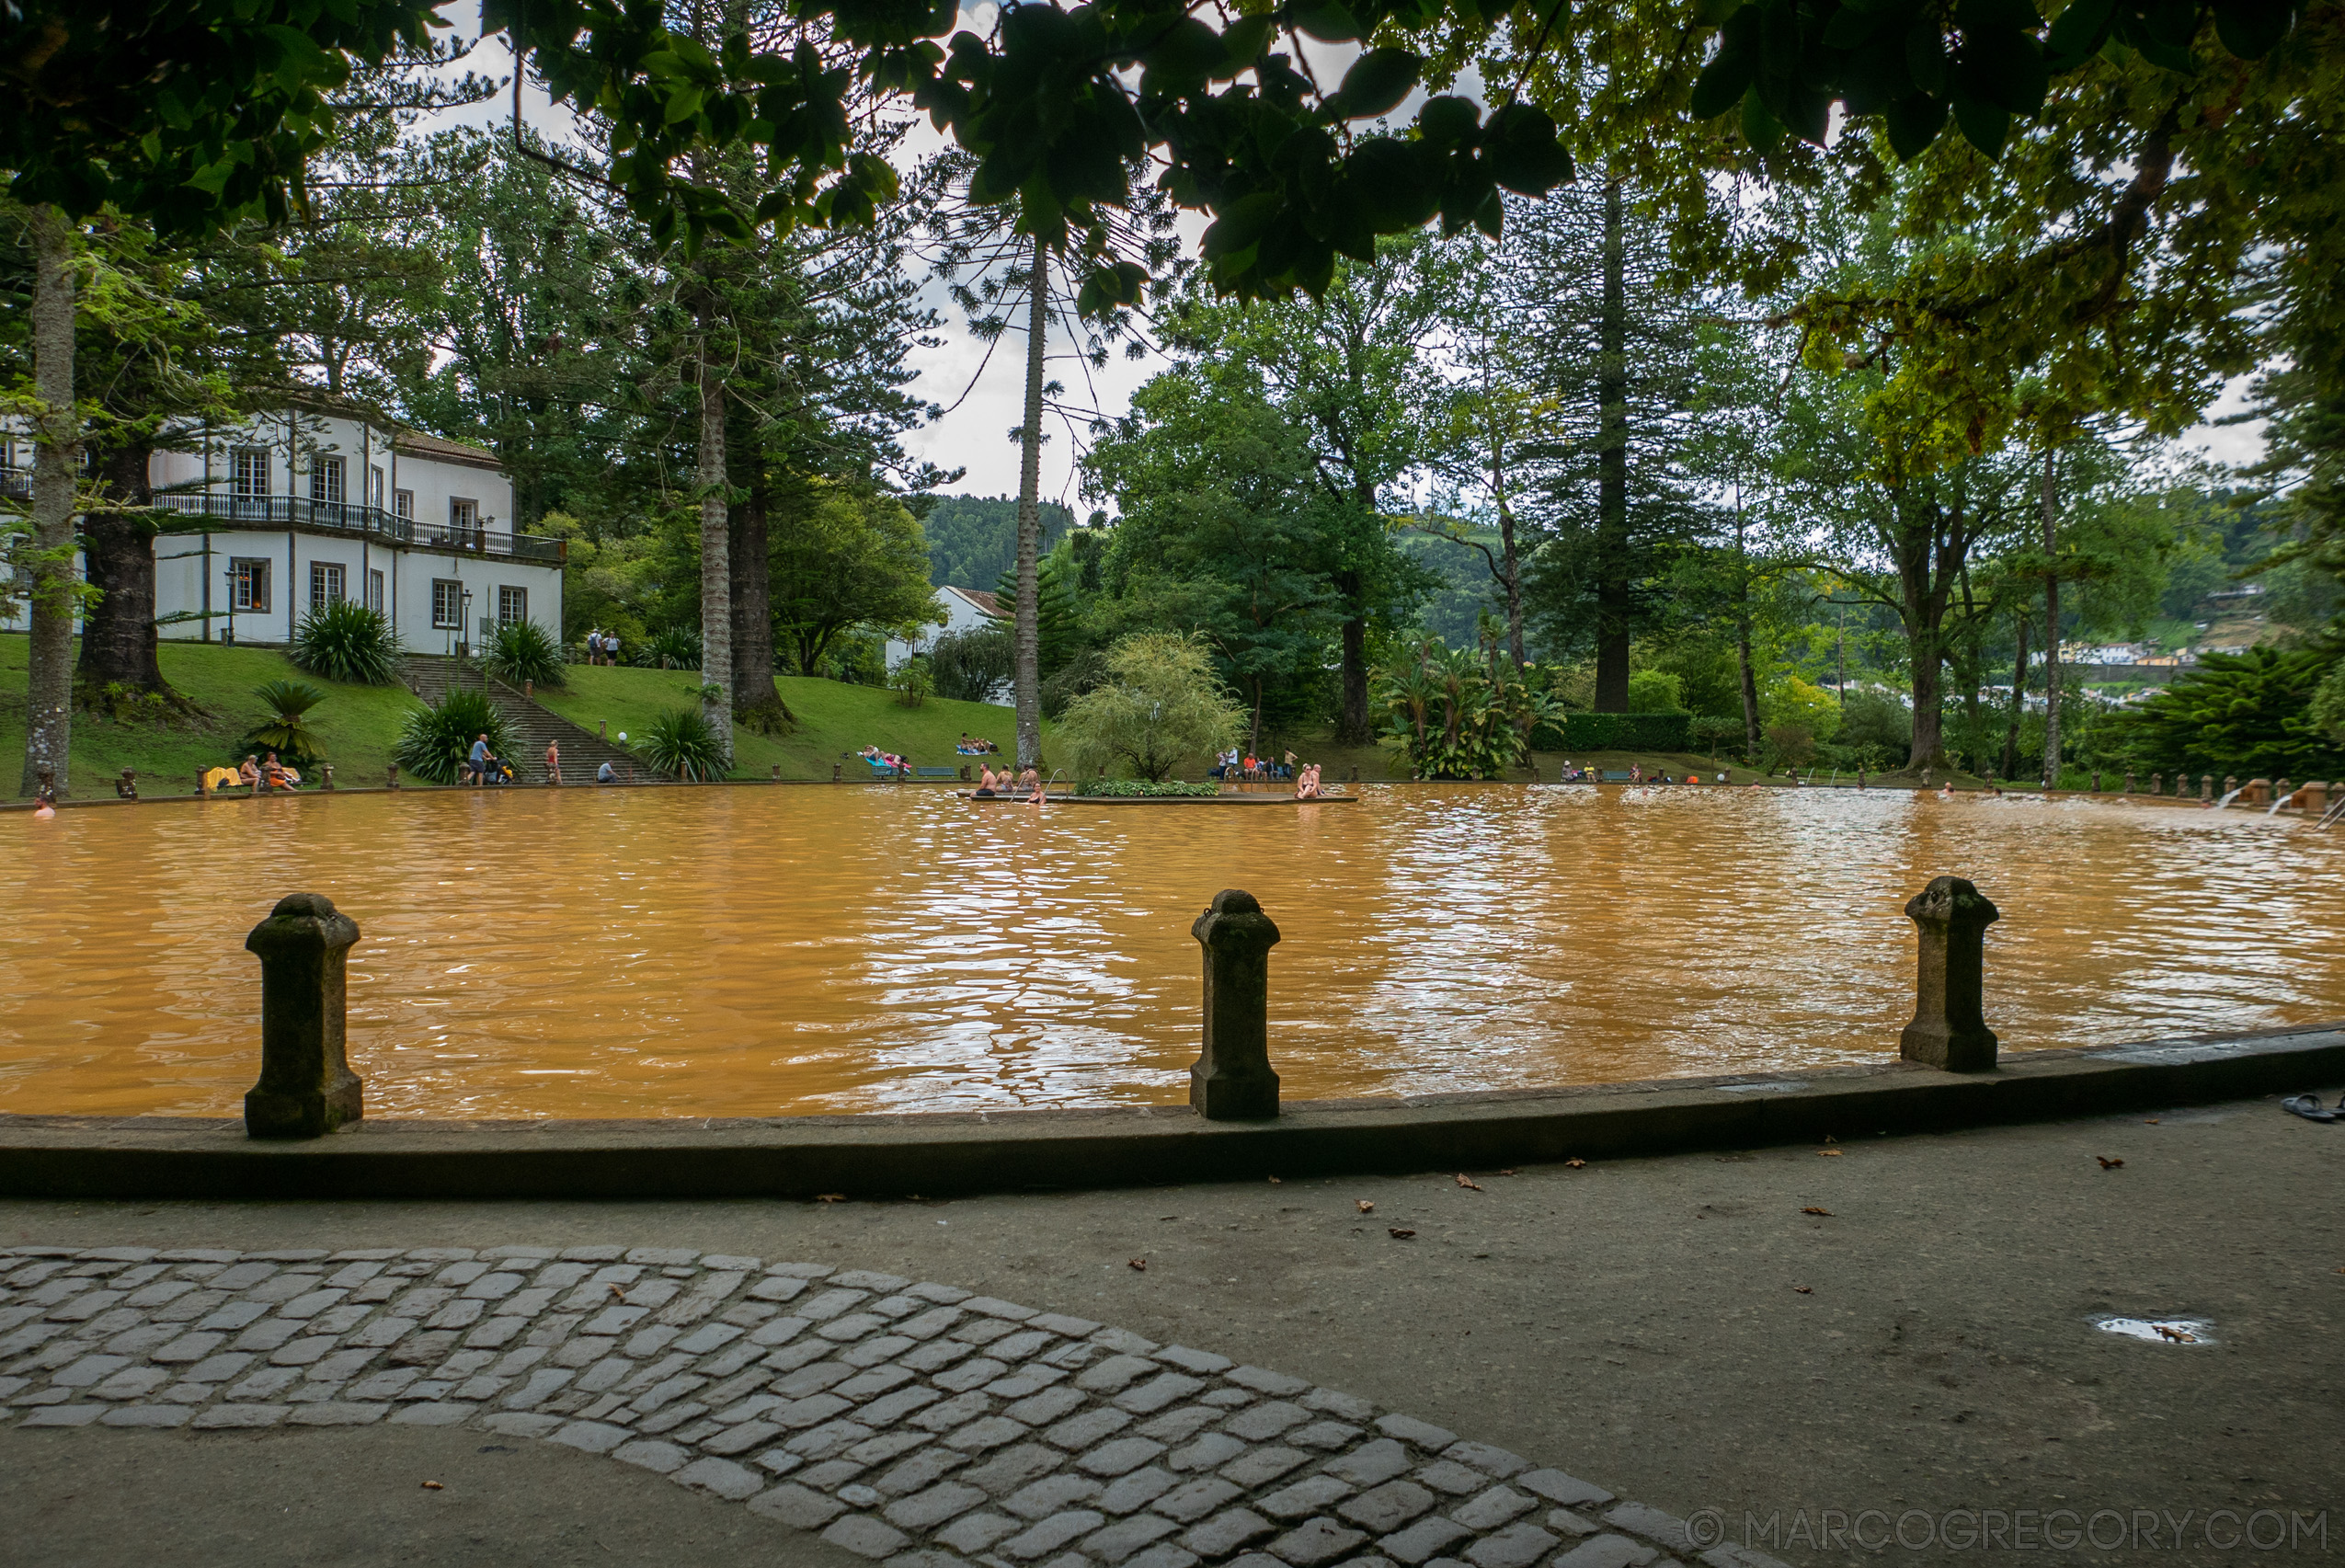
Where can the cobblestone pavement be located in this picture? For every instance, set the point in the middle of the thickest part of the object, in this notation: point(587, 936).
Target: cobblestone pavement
point(913, 1424)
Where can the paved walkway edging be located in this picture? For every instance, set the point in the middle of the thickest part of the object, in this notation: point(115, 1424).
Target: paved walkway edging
point(944, 1154)
point(910, 1423)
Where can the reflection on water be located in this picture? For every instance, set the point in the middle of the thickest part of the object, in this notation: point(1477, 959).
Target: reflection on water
point(751, 951)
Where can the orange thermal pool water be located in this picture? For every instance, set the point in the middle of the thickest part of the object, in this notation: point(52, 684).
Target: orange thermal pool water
point(747, 951)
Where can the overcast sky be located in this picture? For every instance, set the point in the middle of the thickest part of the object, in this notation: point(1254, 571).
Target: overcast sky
point(984, 392)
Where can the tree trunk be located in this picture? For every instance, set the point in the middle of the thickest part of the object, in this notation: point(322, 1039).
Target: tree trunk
point(1028, 675)
point(716, 549)
point(1512, 583)
point(1351, 721)
point(1752, 740)
point(118, 634)
point(49, 691)
point(755, 702)
point(1612, 585)
point(2051, 627)
point(1929, 687)
point(2018, 705)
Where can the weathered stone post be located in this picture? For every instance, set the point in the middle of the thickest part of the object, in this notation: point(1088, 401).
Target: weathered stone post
point(2279, 791)
point(1950, 1027)
point(127, 786)
point(306, 1087)
point(777, 773)
point(326, 779)
point(2230, 782)
point(836, 775)
point(391, 776)
point(2158, 784)
point(1232, 1079)
point(201, 788)
point(2206, 786)
point(2095, 781)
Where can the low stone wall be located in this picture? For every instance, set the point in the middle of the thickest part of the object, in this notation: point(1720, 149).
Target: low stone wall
point(940, 1154)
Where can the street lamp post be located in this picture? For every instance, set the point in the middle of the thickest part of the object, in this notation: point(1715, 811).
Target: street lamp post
point(229, 638)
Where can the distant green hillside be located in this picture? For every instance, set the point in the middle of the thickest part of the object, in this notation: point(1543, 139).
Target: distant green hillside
point(972, 540)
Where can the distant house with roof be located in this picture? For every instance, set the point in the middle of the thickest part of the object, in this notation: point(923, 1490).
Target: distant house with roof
point(965, 610)
point(290, 511)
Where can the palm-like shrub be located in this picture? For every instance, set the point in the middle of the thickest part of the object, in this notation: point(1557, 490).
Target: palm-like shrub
point(435, 742)
point(524, 650)
point(346, 641)
point(913, 683)
point(1457, 715)
point(678, 647)
point(286, 730)
point(682, 742)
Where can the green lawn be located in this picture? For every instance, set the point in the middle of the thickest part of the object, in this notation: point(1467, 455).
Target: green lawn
point(833, 718)
point(359, 723)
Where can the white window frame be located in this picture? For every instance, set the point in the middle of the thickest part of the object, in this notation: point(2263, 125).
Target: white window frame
point(374, 487)
point(374, 589)
point(250, 579)
point(512, 604)
point(403, 504)
point(328, 479)
point(464, 514)
point(325, 580)
point(248, 471)
point(447, 604)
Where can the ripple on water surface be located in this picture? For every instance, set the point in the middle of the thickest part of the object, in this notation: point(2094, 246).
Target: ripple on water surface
point(753, 951)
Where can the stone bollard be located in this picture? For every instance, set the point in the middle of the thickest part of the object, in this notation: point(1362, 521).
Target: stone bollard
point(1949, 1028)
point(2129, 783)
point(391, 777)
point(837, 775)
point(2206, 786)
point(965, 772)
point(2230, 782)
point(127, 786)
point(1232, 1079)
point(325, 775)
point(1355, 776)
point(306, 1087)
point(777, 773)
point(201, 788)
point(2158, 784)
point(2279, 791)
point(2095, 781)
point(529, 689)
point(2258, 792)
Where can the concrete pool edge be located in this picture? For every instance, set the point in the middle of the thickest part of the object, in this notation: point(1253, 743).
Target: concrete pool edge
point(948, 1154)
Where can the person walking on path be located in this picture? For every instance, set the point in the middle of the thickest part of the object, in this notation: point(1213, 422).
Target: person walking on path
point(477, 767)
point(553, 762)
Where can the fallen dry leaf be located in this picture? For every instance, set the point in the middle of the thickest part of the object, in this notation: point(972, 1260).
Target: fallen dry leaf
point(1826, 1212)
point(2107, 1163)
point(1574, 1164)
point(1399, 1234)
point(433, 1486)
point(1829, 1139)
point(1468, 1182)
point(2177, 1335)
point(618, 1293)
point(1274, 1180)
point(830, 1198)
point(1804, 1290)
point(1505, 1173)
point(2149, 1121)
point(1368, 1207)
point(1139, 1263)
point(1827, 1153)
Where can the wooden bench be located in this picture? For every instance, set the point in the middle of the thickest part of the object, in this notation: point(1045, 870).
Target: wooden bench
point(938, 773)
point(1611, 776)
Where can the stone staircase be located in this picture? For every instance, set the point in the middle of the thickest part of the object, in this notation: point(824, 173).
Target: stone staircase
point(529, 725)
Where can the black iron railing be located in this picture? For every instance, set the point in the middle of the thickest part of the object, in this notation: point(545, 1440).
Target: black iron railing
point(351, 518)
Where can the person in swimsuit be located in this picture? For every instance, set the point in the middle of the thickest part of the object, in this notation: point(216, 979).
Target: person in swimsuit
point(986, 782)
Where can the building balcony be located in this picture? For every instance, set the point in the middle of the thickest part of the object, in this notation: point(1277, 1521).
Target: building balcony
point(350, 520)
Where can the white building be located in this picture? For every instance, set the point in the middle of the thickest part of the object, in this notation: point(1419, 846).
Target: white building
point(292, 511)
point(965, 610)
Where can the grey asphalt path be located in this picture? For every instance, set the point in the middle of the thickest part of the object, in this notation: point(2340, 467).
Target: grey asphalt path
point(1639, 1323)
